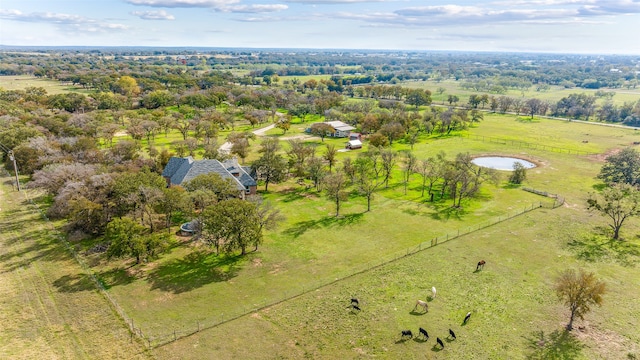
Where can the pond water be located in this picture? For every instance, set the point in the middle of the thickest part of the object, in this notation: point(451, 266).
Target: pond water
point(501, 162)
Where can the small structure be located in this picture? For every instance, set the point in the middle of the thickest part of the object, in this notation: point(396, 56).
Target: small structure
point(354, 144)
point(355, 136)
point(182, 170)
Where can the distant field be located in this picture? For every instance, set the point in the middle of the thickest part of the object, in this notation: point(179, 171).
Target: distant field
point(20, 82)
point(554, 94)
point(49, 309)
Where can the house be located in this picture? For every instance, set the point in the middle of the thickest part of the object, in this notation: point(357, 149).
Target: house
point(181, 170)
point(340, 129)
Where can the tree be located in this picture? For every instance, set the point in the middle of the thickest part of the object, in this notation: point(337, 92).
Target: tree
point(268, 217)
point(330, 155)
point(322, 129)
point(389, 159)
point(408, 168)
point(519, 173)
point(418, 97)
point(334, 186)
point(579, 291)
point(271, 166)
point(175, 199)
point(212, 183)
point(127, 238)
point(623, 167)
point(283, 123)
point(240, 143)
point(619, 202)
point(316, 170)
point(367, 169)
point(231, 225)
point(298, 153)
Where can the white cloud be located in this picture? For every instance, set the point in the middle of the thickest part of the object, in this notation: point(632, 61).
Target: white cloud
point(320, 2)
point(184, 3)
point(65, 21)
point(256, 8)
point(153, 15)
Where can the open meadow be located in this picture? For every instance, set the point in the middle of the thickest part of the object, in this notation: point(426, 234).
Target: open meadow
point(20, 82)
point(289, 299)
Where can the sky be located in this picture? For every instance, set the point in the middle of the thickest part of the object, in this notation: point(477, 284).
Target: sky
point(551, 26)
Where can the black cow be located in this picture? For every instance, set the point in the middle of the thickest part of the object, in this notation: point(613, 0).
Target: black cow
point(424, 333)
point(440, 342)
point(452, 334)
point(355, 301)
point(407, 333)
point(355, 307)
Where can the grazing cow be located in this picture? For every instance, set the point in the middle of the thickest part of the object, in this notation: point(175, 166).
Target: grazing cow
point(422, 304)
point(424, 333)
point(433, 292)
point(355, 301)
point(355, 307)
point(440, 342)
point(480, 265)
point(407, 333)
point(466, 318)
point(452, 334)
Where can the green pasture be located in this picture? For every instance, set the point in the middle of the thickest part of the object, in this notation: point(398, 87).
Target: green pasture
point(20, 82)
point(515, 314)
point(553, 94)
point(190, 288)
point(48, 306)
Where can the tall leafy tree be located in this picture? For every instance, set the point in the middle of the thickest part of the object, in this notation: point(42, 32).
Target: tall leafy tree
point(619, 202)
point(622, 167)
point(232, 225)
point(271, 166)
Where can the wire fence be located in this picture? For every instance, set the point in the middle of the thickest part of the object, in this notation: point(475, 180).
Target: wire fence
point(558, 200)
point(522, 144)
point(244, 308)
point(135, 332)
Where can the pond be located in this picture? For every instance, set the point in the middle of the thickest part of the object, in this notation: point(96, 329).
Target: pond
point(501, 162)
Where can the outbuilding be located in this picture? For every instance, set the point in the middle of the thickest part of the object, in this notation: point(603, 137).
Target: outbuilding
point(354, 144)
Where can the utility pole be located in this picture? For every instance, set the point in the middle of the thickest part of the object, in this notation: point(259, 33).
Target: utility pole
point(15, 168)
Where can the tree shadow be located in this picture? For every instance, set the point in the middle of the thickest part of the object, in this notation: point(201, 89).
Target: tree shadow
point(560, 345)
point(194, 270)
point(115, 277)
point(301, 227)
point(600, 247)
point(74, 283)
point(444, 211)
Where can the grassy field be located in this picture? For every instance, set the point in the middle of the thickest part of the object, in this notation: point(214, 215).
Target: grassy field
point(49, 309)
point(20, 82)
point(190, 288)
point(554, 94)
